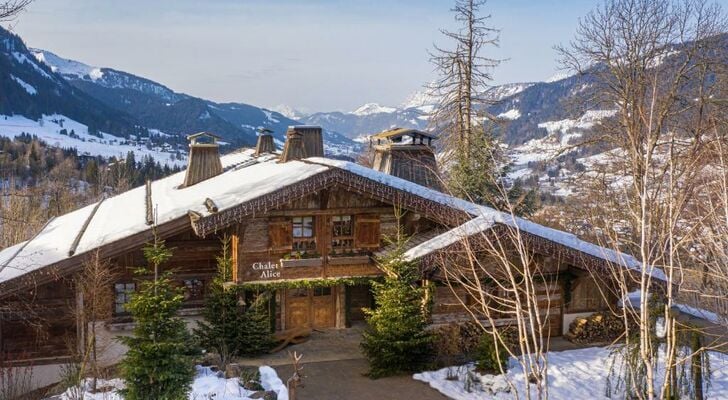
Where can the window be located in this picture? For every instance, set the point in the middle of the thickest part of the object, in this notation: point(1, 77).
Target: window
point(322, 291)
point(193, 289)
point(303, 234)
point(298, 292)
point(302, 227)
point(342, 237)
point(123, 293)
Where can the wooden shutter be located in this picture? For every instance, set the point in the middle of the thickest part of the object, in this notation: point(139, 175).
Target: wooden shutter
point(366, 231)
point(280, 234)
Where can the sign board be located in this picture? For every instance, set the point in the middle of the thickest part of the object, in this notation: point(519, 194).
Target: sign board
point(267, 269)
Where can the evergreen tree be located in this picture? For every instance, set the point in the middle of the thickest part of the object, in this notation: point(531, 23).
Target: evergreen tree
point(255, 335)
point(92, 172)
point(476, 175)
point(158, 364)
point(396, 340)
point(220, 330)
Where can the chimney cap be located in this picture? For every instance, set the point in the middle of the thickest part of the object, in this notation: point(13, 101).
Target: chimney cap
point(199, 135)
point(400, 132)
point(265, 131)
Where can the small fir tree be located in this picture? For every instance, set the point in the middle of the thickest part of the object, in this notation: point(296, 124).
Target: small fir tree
point(219, 332)
point(255, 333)
point(158, 364)
point(396, 340)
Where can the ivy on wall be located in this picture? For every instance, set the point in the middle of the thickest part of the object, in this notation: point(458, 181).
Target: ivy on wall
point(305, 283)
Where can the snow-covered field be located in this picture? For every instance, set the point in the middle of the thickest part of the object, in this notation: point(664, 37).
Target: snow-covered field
point(572, 375)
point(208, 385)
point(49, 129)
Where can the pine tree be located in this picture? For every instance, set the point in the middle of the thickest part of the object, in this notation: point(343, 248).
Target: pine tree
point(255, 335)
point(477, 175)
point(220, 330)
point(158, 364)
point(397, 340)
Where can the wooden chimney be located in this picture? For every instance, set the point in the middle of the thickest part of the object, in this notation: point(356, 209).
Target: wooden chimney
point(407, 154)
point(265, 142)
point(313, 139)
point(293, 148)
point(303, 141)
point(203, 161)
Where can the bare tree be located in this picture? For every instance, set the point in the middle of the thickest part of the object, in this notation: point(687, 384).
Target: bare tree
point(507, 291)
point(94, 286)
point(464, 74)
point(652, 61)
point(9, 9)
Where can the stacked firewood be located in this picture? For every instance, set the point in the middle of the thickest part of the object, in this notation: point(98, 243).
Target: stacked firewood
point(599, 327)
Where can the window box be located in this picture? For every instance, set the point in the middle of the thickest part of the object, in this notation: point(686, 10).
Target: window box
point(347, 260)
point(302, 262)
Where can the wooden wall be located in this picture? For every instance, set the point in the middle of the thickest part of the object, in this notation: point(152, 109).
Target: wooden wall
point(39, 324)
point(264, 241)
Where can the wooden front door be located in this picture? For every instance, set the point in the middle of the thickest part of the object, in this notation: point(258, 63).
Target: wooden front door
point(314, 308)
point(298, 308)
point(359, 297)
point(324, 307)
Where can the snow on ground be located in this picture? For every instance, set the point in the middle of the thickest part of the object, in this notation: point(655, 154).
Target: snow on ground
point(511, 114)
point(66, 66)
point(572, 374)
point(25, 85)
point(49, 127)
point(207, 385)
point(22, 59)
point(560, 139)
point(586, 121)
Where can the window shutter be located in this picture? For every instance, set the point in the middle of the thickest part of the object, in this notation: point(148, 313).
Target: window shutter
point(280, 234)
point(366, 231)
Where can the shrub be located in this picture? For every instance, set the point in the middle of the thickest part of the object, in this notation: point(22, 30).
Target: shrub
point(491, 355)
point(16, 380)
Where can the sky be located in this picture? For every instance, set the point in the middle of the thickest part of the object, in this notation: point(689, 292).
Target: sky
point(314, 55)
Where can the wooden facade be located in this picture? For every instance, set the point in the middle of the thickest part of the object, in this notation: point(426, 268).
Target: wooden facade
point(321, 229)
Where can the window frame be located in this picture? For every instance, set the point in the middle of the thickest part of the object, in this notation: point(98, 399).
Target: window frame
point(129, 288)
point(302, 243)
point(342, 241)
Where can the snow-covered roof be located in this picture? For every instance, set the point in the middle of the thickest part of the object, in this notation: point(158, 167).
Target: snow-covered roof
point(489, 217)
point(245, 178)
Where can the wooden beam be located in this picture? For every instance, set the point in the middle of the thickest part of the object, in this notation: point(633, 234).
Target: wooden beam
point(210, 205)
point(148, 204)
point(86, 223)
point(330, 211)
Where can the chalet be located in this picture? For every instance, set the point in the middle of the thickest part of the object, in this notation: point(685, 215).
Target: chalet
point(305, 226)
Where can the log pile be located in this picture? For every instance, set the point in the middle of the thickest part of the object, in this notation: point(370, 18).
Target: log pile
point(600, 327)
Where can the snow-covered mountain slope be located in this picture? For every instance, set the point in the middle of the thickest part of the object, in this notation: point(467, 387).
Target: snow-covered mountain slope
point(412, 113)
point(553, 162)
point(30, 88)
point(156, 106)
point(61, 131)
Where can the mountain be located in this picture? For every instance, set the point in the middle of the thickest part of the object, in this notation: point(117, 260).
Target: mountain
point(32, 89)
point(42, 93)
point(157, 106)
point(412, 113)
